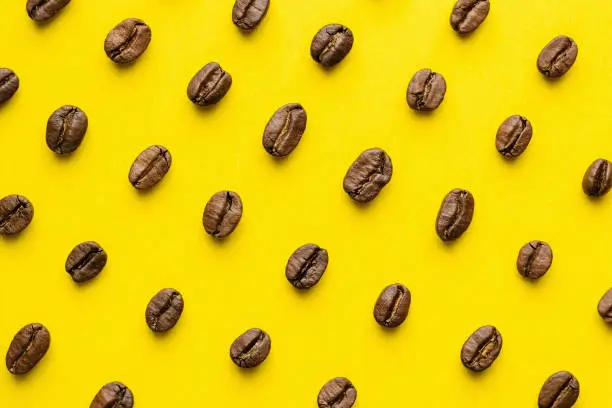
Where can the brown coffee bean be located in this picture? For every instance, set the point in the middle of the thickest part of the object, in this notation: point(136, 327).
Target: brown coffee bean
point(337, 393)
point(127, 41)
point(598, 178)
point(534, 259)
point(113, 395)
point(247, 14)
point(209, 85)
point(66, 129)
point(467, 15)
point(150, 167)
point(28, 347)
point(251, 348)
point(481, 349)
point(331, 44)
point(44, 10)
point(558, 56)
point(513, 136)
point(604, 307)
point(306, 266)
point(368, 174)
point(561, 390)
point(86, 261)
point(426, 90)
point(222, 214)
point(455, 215)
point(284, 130)
point(164, 310)
point(9, 84)
point(16, 213)
point(391, 308)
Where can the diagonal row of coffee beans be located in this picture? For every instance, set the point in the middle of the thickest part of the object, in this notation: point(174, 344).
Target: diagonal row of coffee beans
point(364, 180)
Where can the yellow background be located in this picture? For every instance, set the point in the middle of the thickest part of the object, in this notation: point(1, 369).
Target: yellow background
point(156, 240)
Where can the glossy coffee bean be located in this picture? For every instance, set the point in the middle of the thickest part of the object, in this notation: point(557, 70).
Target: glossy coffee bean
point(209, 85)
point(598, 178)
point(391, 308)
point(222, 214)
point(28, 347)
point(44, 10)
point(16, 213)
point(481, 349)
point(604, 307)
point(534, 259)
point(127, 41)
point(558, 56)
point(66, 129)
point(337, 393)
point(306, 266)
point(247, 14)
point(368, 174)
point(561, 390)
point(513, 136)
point(284, 130)
point(150, 167)
point(86, 261)
point(455, 215)
point(251, 348)
point(9, 84)
point(467, 15)
point(113, 395)
point(426, 90)
point(164, 310)
point(331, 44)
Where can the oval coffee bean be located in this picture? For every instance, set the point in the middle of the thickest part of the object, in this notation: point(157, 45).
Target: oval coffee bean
point(331, 44)
point(28, 347)
point(598, 178)
point(16, 213)
point(337, 393)
point(222, 214)
point(9, 84)
point(391, 308)
point(306, 266)
point(113, 395)
point(455, 214)
point(284, 130)
point(467, 15)
point(164, 310)
point(43, 10)
point(251, 348)
point(558, 56)
point(127, 41)
point(561, 390)
point(150, 167)
point(247, 14)
point(368, 174)
point(513, 136)
point(481, 349)
point(426, 90)
point(66, 129)
point(209, 85)
point(534, 259)
point(604, 307)
point(86, 261)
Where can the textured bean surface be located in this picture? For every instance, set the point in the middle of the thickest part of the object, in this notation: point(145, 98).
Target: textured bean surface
point(467, 15)
point(66, 129)
point(561, 390)
point(222, 214)
point(481, 349)
point(306, 266)
point(368, 174)
point(113, 395)
point(455, 215)
point(86, 261)
point(16, 213)
point(534, 259)
point(513, 136)
point(597, 179)
point(209, 85)
point(164, 310)
point(9, 84)
point(150, 167)
point(337, 393)
point(28, 347)
point(127, 41)
point(391, 308)
point(44, 10)
point(331, 44)
point(284, 130)
point(558, 56)
point(247, 14)
point(604, 307)
point(251, 348)
point(426, 90)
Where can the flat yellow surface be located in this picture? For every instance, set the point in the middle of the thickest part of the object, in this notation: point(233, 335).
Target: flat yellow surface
point(156, 240)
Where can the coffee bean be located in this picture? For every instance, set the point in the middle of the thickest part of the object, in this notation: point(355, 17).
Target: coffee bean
point(481, 349)
point(337, 393)
point(306, 266)
point(368, 174)
point(66, 129)
point(164, 310)
point(9, 83)
point(561, 390)
point(127, 41)
point(86, 261)
point(604, 307)
point(251, 348)
point(16, 213)
point(426, 90)
point(284, 130)
point(331, 44)
point(43, 10)
point(209, 85)
point(513, 136)
point(455, 214)
point(558, 56)
point(391, 308)
point(222, 214)
point(598, 178)
point(534, 259)
point(150, 167)
point(247, 14)
point(467, 15)
point(28, 347)
point(113, 395)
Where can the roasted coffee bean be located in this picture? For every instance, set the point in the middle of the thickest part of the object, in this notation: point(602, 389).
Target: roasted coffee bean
point(9, 84)
point(604, 307)
point(16, 213)
point(467, 15)
point(251, 348)
point(306, 266)
point(331, 44)
point(164, 310)
point(247, 14)
point(150, 167)
point(337, 393)
point(66, 128)
point(598, 178)
point(43, 10)
point(513, 136)
point(113, 395)
point(391, 308)
point(558, 56)
point(426, 90)
point(86, 261)
point(455, 214)
point(561, 390)
point(481, 349)
point(222, 214)
point(284, 130)
point(127, 41)
point(368, 174)
point(28, 347)
point(534, 259)
point(209, 85)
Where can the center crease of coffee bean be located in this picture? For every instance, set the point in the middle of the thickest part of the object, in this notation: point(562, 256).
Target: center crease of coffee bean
point(456, 218)
point(600, 177)
point(284, 130)
point(11, 213)
point(86, 259)
point(6, 79)
point(202, 94)
point(65, 121)
point(226, 209)
point(128, 42)
point(531, 259)
point(469, 9)
point(515, 139)
point(311, 261)
point(555, 60)
point(379, 169)
point(484, 350)
point(330, 44)
point(241, 18)
point(164, 309)
point(24, 352)
point(565, 388)
point(340, 397)
point(39, 5)
point(151, 165)
point(396, 304)
point(251, 347)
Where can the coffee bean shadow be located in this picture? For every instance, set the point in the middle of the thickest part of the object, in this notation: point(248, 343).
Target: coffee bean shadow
point(421, 115)
point(595, 200)
point(477, 375)
point(278, 161)
point(165, 336)
point(13, 239)
point(248, 372)
point(207, 110)
point(554, 82)
point(303, 293)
